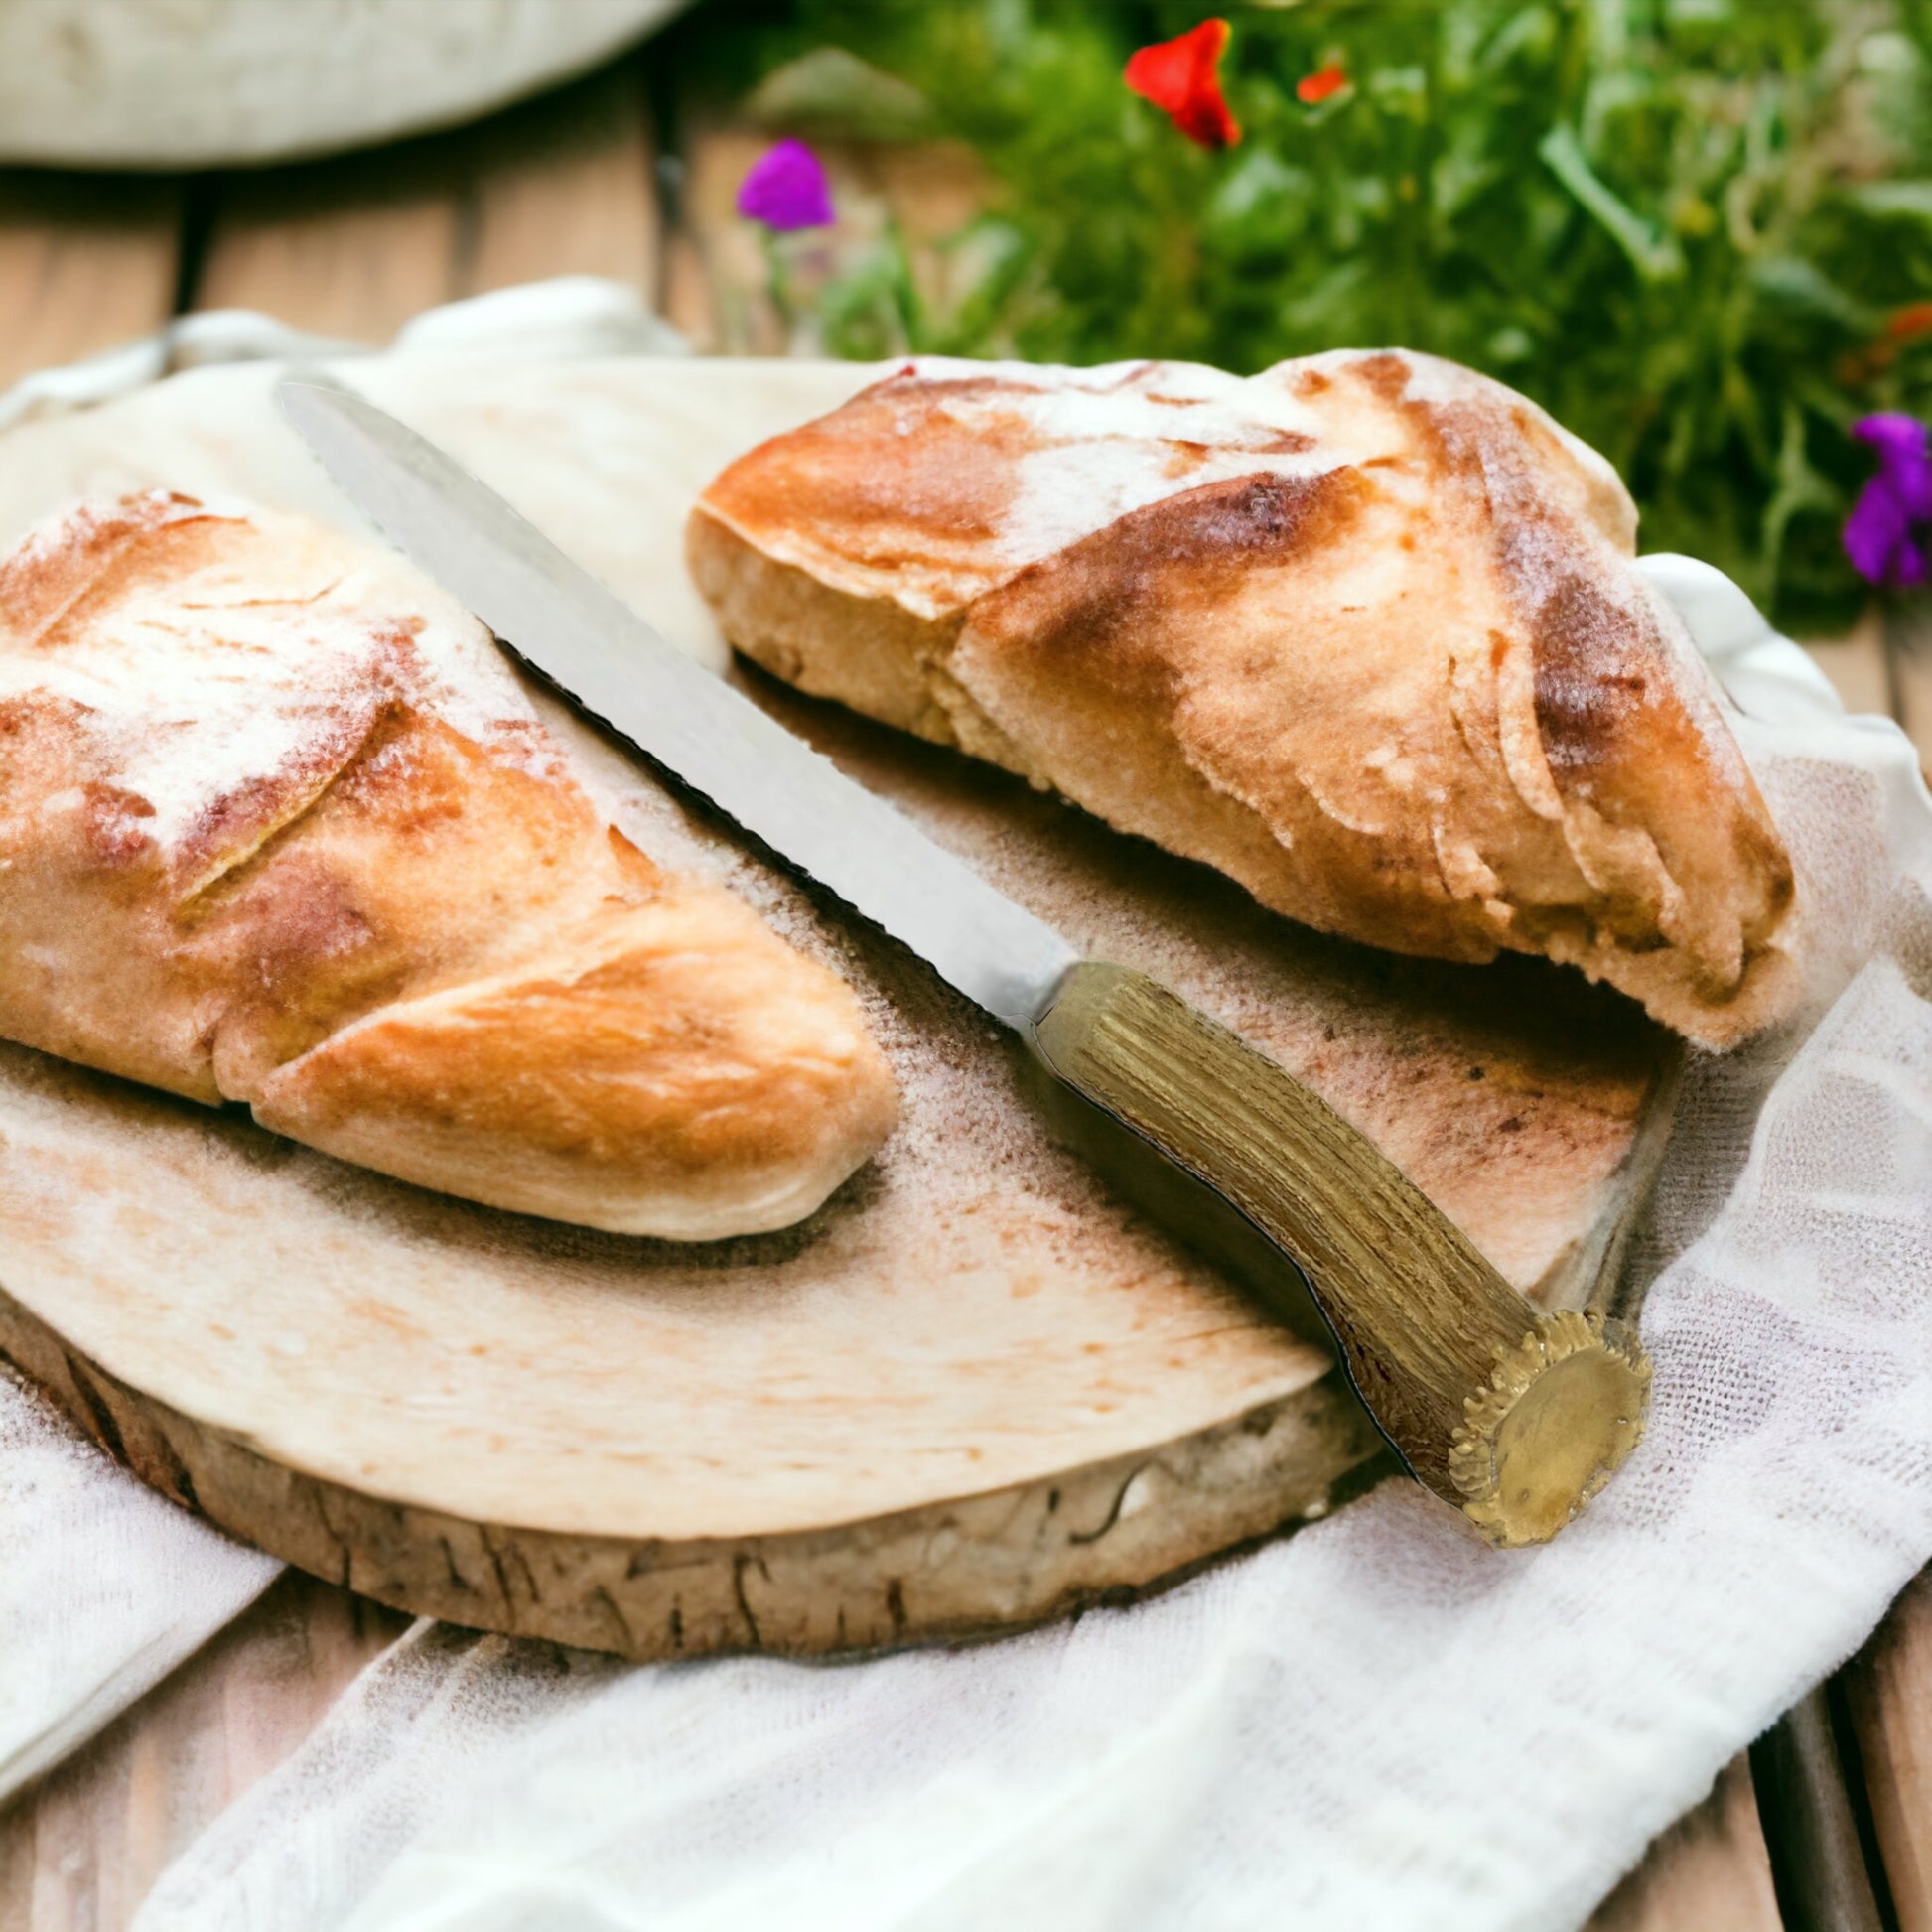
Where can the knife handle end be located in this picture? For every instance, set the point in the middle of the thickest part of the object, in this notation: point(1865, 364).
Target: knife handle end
point(1514, 1416)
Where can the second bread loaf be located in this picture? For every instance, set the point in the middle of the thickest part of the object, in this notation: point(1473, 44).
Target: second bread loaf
point(1363, 631)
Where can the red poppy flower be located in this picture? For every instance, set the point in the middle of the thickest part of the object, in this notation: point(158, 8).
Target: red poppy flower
point(1910, 321)
point(1179, 76)
point(1314, 88)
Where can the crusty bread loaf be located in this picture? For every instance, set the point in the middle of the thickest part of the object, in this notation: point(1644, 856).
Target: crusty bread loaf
point(1362, 631)
point(277, 825)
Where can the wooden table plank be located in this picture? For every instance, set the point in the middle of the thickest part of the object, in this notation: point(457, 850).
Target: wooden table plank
point(1825, 1864)
point(1709, 1872)
point(569, 186)
point(340, 265)
point(1885, 665)
point(1888, 1686)
point(1908, 642)
point(80, 1850)
point(355, 246)
point(687, 290)
point(85, 262)
point(721, 290)
point(1857, 665)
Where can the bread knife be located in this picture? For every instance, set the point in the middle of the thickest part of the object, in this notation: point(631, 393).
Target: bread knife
point(1512, 1414)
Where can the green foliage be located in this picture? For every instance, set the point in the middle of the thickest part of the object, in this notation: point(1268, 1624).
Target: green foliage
point(1681, 225)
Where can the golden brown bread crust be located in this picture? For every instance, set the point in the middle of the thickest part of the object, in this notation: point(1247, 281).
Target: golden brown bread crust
point(277, 826)
point(1362, 632)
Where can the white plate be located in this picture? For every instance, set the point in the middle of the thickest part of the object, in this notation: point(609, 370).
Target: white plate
point(195, 83)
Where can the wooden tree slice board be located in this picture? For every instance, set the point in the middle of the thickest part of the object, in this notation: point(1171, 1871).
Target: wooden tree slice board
point(974, 1391)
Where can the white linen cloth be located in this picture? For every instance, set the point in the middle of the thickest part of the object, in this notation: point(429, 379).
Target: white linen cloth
point(104, 1587)
point(1375, 1723)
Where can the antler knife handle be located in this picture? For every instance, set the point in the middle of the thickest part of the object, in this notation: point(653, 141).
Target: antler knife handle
point(1514, 1416)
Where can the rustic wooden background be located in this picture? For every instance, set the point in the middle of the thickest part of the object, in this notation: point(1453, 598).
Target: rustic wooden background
point(614, 176)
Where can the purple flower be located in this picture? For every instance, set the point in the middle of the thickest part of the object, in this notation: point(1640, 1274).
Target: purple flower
point(786, 190)
point(1878, 535)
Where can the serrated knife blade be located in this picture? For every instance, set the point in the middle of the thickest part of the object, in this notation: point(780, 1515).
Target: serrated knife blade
point(556, 616)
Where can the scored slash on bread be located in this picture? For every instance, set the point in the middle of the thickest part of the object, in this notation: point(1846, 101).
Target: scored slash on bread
point(278, 825)
point(1362, 631)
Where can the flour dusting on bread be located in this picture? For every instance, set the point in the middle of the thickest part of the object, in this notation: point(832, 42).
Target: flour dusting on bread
point(193, 699)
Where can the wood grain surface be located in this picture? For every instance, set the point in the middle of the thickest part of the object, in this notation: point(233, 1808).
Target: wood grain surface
point(1809, 1801)
point(1859, 665)
point(1709, 1872)
point(1909, 649)
point(354, 247)
point(83, 265)
point(1888, 1688)
point(80, 1850)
